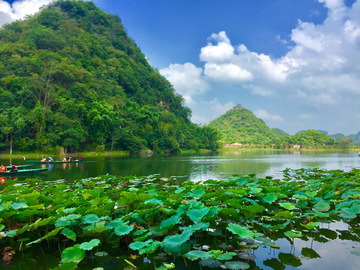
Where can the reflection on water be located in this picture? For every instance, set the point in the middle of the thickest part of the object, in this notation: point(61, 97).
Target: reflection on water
point(199, 167)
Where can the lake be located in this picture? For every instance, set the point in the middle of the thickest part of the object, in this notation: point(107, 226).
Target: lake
point(334, 246)
point(199, 167)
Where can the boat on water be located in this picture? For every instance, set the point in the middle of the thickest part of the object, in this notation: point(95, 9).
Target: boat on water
point(20, 167)
point(51, 162)
point(24, 171)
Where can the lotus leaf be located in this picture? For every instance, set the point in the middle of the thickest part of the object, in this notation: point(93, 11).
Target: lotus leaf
point(311, 194)
point(66, 266)
point(90, 245)
point(328, 233)
point(123, 229)
point(197, 227)
point(246, 256)
point(274, 264)
point(177, 244)
point(322, 206)
point(242, 232)
point(151, 248)
point(139, 245)
point(170, 222)
point(311, 225)
point(140, 232)
point(196, 215)
point(69, 234)
point(241, 181)
point(143, 237)
point(154, 201)
point(293, 234)
point(197, 254)
point(169, 265)
point(310, 253)
point(237, 265)
point(52, 233)
point(270, 198)
point(355, 209)
point(101, 254)
point(287, 206)
point(210, 263)
point(224, 257)
point(73, 254)
point(18, 205)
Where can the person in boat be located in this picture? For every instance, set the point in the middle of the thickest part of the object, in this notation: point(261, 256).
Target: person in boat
point(70, 159)
point(64, 159)
point(81, 158)
point(3, 168)
point(51, 159)
point(13, 168)
point(43, 159)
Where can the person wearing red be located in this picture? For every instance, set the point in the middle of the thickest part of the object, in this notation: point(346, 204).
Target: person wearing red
point(13, 168)
point(3, 168)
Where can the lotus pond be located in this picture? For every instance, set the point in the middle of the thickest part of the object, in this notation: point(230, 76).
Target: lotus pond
point(307, 220)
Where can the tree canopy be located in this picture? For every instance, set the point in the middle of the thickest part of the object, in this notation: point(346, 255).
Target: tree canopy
point(71, 76)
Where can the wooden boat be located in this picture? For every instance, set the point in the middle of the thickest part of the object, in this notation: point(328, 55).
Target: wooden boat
point(20, 167)
point(52, 162)
point(25, 171)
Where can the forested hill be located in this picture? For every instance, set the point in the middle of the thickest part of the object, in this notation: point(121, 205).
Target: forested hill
point(240, 125)
point(70, 76)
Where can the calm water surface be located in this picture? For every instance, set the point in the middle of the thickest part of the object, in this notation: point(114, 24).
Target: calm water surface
point(199, 167)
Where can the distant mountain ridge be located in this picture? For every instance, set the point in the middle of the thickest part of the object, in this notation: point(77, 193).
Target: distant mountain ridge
point(336, 135)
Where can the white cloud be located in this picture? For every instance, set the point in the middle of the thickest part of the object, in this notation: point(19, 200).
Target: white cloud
point(262, 91)
point(19, 9)
point(262, 114)
point(206, 111)
point(227, 72)
point(186, 79)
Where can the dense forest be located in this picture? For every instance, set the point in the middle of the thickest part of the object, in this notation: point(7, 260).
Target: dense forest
point(70, 76)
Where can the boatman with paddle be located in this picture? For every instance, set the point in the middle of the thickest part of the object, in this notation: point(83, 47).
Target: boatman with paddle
point(13, 168)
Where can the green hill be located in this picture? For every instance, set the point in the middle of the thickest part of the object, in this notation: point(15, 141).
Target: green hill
point(70, 76)
point(280, 132)
point(240, 125)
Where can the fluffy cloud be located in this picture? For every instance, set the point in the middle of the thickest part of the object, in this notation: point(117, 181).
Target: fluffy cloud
point(19, 9)
point(262, 114)
point(186, 80)
point(206, 111)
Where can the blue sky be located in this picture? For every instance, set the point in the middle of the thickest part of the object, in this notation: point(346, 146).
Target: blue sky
point(293, 63)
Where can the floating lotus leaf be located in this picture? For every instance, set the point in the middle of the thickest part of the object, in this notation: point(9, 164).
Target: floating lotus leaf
point(69, 234)
point(210, 263)
point(237, 265)
point(322, 206)
point(246, 256)
point(90, 218)
point(196, 215)
point(123, 229)
point(311, 225)
point(270, 198)
point(151, 248)
point(242, 232)
point(224, 257)
point(101, 254)
point(73, 254)
point(66, 266)
point(310, 253)
point(293, 234)
point(328, 233)
point(154, 201)
point(177, 244)
point(90, 245)
point(170, 222)
point(197, 254)
point(274, 264)
point(289, 259)
point(200, 226)
point(287, 206)
point(138, 245)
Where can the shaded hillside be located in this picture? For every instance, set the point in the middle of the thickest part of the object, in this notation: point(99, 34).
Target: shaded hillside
point(70, 76)
point(280, 132)
point(309, 138)
point(240, 125)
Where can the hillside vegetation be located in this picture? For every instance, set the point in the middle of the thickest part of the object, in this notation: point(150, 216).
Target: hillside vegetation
point(70, 76)
point(240, 125)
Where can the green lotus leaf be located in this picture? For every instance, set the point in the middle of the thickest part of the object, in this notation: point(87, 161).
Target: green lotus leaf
point(241, 181)
point(170, 222)
point(90, 218)
point(287, 206)
point(310, 253)
point(101, 254)
point(123, 229)
point(311, 194)
point(224, 257)
point(328, 233)
point(154, 201)
point(197, 227)
point(73, 254)
point(242, 232)
point(254, 208)
point(311, 225)
point(151, 248)
point(69, 234)
point(90, 245)
point(196, 215)
point(210, 263)
point(198, 192)
point(69, 210)
point(179, 190)
point(322, 206)
point(143, 237)
point(255, 190)
point(293, 234)
point(169, 266)
point(274, 264)
point(2, 226)
point(355, 209)
point(177, 244)
point(139, 245)
point(237, 265)
point(140, 232)
point(301, 204)
point(287, 214)
point(347, 216)
point(66, 266)
point(289, 259)
point(270, 198)
point(18, 205)
point(197, 254)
